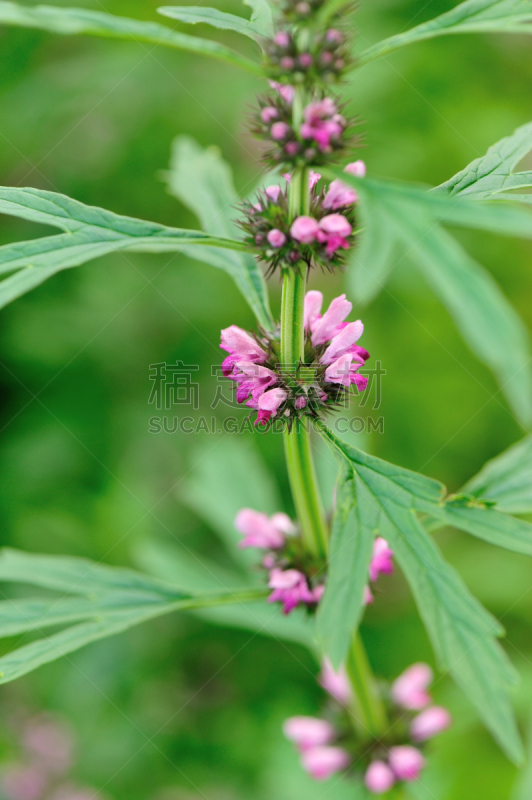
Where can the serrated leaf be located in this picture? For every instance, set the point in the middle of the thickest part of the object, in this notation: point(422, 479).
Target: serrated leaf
point(488, 323)
point(110, 599)
point(494, 172)
point(473, 16)
point(69, 21)
point(90, 232)
point(262, 16)
point(507, 479)
point(202, 180)
point(349, 556)
point(462, 632)
point(212, 16)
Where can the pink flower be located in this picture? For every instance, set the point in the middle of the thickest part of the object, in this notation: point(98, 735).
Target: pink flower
point(262, 531)
point(282, 39)
point(300, 403)
point(290, 588)
point(268, 114)
point(356, 168)
point(23, 783)
point(304, 229)
point(308, 732)
point(241, 347)
point(253, 379)
point(273, 192)
point(429, 723)
point(410, 688)
point(336, 223)
point(332, 35)
point(50, 742)
point(268, 404)
point(382, 559)
point(406, 762)
point(336, 682)
point(287, 63)
point(342, 343)
point(322, 762)
point(322, 123)
point(313, 304)
point(325, 327)
point(279, 131)
point(344, 372)
point(305, 59)
point(368, 596)
point(339, 195)
point(379, 778)
point(286, 92)
point(276, 238)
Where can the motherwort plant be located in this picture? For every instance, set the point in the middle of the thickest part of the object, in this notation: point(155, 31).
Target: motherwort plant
point(318, 210)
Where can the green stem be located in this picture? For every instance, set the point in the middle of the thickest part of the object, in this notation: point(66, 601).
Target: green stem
point(368, 705)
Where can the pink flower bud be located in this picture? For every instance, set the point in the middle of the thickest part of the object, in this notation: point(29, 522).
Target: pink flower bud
point(356, 168)
point(303, 8)
point(332, 35)
point(304, 230)
point(282, 39)
point(410, 688)
point(429, 723)
point(259, 530)
point(276, 238)
point(301, 402)
point(268, 114)
point(305, 59)
point(379, 778)
point(406, 762)
point(368, 596)
point(326, 327)
point(279, 131)
point(308, 732)
point(336, 682)
point(322, 762)
point(291, 149)
point(273, 192)
point(286, 91)
point(287, 63)
point(312, 308)
point(336, 224)
point(382, 559)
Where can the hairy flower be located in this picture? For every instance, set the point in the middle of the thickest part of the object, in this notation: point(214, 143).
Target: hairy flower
point(323, 762)
point(406, 762)
point(325, 56)
point(379, 777)
point(336, 682)
point(410, 689)
point(318, 238)
point(259, 530)
point(307, 732)
point(429, 723)
point(322, 382)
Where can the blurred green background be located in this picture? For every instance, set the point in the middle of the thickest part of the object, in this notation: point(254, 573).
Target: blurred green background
point(180, 709)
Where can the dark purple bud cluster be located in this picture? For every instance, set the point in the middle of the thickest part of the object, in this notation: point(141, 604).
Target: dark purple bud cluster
point(320, 238)
point(324, 134)
point(322, 60)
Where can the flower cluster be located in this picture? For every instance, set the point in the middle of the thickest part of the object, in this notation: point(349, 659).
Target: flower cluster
point(302, 11)
point(327, 747)
point(292, 574)
point(323, 59)
point(319, 238)
point(331, 366)
point(323, 135)
point(404, 762)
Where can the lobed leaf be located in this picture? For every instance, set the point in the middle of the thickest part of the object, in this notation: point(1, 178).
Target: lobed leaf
point(493, 173)
point(69, 21)
point(89, 232)
point(473, 16)
point(202, 180)
point(262, 16)
point(212, 16)
point(388, 499)
point(506, 480)
point(109, 599)
point(412, 217)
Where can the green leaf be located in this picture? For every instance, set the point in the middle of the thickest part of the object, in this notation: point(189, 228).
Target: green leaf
point(262, 16)
point(194, 573)
point(473, 16)
point(463, 634)
point(110, 599)
point(211, 16)
point(371, 262)
point(350, 550)
point(90, 232)
point(494, 172)
point(414, 217)
point(202, 180)
point(506, 479)
point(70, 21)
